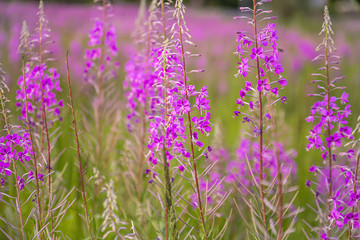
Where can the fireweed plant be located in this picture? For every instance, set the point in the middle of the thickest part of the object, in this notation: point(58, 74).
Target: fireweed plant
point(103, 116)
point(144, 94)
point(138, 84)
point(182, 115)
point(39, 109)
point(258, 52)
point(335, 190)
point(100, 73)
point(144, 81)
point(15, 150)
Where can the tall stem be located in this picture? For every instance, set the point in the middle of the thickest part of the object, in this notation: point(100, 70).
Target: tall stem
point(279, 173)
point(48, 158)
point(45, 127)
point(170, 216)
point(196, 178)
point(98, 107)
point(33, 154)
point(328, 120)
point(18, 199)
point(261, 125)
point(78, 151)
point(100, 89)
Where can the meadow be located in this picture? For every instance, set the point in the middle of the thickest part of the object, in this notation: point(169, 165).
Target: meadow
point(114, 138)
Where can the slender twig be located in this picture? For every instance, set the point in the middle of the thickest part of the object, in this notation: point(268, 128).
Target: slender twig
point(78, 151)
point(33, 153)
point(196, 179)
point(45, 126)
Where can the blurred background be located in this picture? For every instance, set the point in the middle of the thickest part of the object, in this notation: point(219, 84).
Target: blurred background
point(213, 29)
point(285, 6)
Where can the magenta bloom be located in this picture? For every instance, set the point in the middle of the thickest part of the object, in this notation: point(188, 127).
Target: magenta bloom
point(38, 77)
point(243, 67)
point(182, 107)
point(14, 147)
point(257, 53)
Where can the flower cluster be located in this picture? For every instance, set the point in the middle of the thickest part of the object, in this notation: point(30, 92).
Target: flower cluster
point(141, 77)
point(167, 130)
point(103, 49)
point(249, 150)
point(14, 147)
point(259, 51)
point(177, 108)
point(141, 92)
point(337, 178)
point(41, 82)
point(39, 79)
point(328, 115)
point(237, 170)
point(344, 200)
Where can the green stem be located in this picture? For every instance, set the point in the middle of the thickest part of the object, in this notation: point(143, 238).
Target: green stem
point(196, 178)
point(83, 192)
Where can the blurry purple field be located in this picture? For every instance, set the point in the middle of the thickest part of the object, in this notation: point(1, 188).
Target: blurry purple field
point(171, 124)
point(213, 31)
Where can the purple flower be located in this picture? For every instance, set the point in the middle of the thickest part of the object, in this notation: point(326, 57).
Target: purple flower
point(324, 236)
point(40, 82)
point(242, 93)
point(257, 53)
point(275, 91)
point(344, 98)
point(336, 216)
point(313, 169)
point(21, 183)
point(202, 103)
point(102, 45)
point(15, 147)
point(352, 219)
point(182, 107)
point(283, 82)
point(334, 140)
point(251, 104)
point(243, 67)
